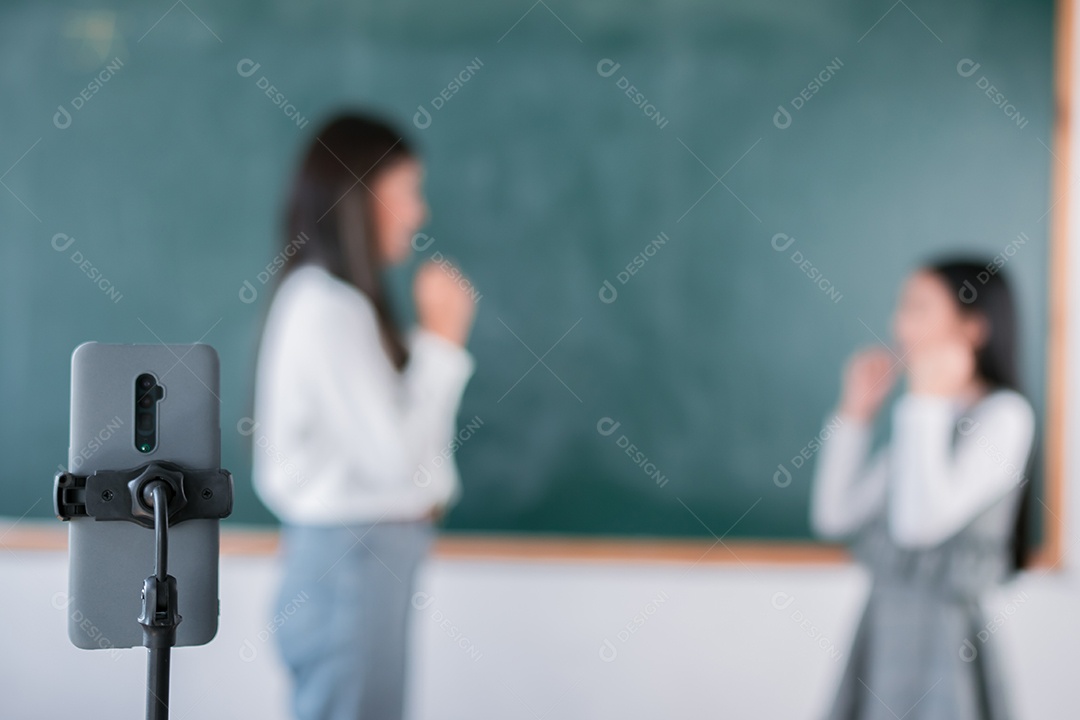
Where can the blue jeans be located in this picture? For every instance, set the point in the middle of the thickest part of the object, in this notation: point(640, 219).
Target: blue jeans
point(342, 615)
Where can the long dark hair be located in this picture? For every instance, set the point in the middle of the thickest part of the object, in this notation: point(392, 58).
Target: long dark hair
point(330, 220)
point(981, 289)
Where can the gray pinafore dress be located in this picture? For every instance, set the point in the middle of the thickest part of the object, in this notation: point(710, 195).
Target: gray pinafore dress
point(918, 652)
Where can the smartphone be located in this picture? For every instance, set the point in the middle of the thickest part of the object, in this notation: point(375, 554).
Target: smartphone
point(132, 405)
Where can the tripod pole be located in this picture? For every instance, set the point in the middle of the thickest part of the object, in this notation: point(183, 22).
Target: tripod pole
point(159, 614)
point(157, 684)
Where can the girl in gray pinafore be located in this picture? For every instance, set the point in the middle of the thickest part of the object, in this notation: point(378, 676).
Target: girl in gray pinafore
point(923, 649)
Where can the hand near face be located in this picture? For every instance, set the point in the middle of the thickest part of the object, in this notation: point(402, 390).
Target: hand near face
point(868, 378)
point(444, 301)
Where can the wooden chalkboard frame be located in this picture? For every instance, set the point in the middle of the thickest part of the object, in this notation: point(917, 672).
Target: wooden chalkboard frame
point(46, 536)
point(1052, 550)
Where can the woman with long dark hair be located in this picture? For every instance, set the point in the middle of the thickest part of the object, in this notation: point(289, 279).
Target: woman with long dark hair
point(351, 413)
point(936, 515)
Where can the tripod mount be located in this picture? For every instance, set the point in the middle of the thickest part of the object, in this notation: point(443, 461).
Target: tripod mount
point(156, 496)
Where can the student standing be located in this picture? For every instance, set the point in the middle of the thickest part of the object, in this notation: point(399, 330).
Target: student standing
point(350, 413)
point(935, 515)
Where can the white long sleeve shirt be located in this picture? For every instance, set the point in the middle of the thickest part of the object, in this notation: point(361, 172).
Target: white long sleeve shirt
point(339, 435)
point(929, 485)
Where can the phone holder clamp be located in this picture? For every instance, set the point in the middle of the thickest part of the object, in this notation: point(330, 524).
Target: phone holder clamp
point(122, 494)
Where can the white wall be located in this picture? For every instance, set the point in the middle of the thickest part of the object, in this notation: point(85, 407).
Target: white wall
point(715, 646)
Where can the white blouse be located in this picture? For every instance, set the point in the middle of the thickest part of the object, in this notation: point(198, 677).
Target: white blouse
point(930, 485)
point(339, 435)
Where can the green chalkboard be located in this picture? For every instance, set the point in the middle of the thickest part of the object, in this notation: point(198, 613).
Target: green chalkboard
point(681, 217)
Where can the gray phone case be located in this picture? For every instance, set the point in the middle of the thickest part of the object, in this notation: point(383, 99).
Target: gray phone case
point(108, 560)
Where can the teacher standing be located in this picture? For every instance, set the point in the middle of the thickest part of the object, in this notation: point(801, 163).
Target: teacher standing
point(350, 412)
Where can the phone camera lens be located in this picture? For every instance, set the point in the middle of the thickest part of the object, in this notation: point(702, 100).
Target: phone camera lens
point(147, 393)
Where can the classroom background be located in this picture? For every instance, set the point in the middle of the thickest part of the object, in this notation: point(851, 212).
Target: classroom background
point(679, 219)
